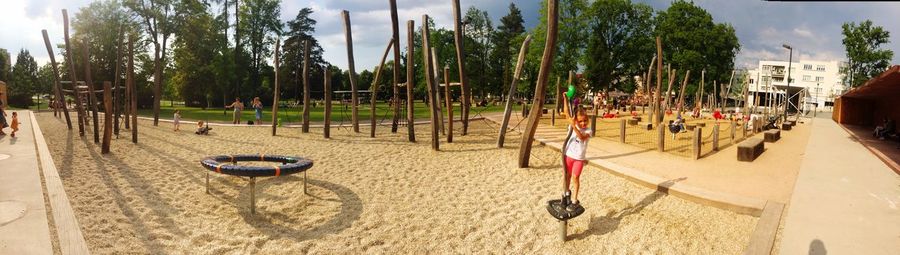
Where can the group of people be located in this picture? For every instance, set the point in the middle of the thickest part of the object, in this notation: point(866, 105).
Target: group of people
point(12, 123)
point(238, 107)
point(886, 129)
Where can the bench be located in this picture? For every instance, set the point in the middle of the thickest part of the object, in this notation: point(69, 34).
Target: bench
point(690, 127)
point(772, 135)
point(787, 125)
point(701, 124)
point(633, 122)
point(636, 118)
point(750, 149)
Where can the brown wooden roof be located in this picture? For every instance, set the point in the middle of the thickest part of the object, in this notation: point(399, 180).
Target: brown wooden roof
point(886, 85)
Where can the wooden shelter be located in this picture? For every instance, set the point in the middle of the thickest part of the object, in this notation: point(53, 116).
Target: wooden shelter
point(868, 104)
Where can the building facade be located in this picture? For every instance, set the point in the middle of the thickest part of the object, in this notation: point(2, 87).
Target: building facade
point(821, 79)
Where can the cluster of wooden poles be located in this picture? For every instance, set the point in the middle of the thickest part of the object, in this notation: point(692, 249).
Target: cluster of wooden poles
point(113, 100)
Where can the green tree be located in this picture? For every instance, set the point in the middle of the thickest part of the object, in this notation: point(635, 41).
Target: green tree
point(197, 40)
point(863, 43)
point(259, 26)
point(157, 17)
point(692, 41)
point(301, 29)
point(620, 42)
point(478, 45)
point(98, 24)
point(504, 52)
point(571, 43)
point(24, 82)
point(4, 65)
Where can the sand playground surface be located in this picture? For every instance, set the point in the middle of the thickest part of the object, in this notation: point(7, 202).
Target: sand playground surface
point(366, 195)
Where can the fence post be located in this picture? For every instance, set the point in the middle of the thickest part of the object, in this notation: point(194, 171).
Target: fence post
point(622, 131)
point(660, 138)
point(594, 124)
point(698, 137)
point(732, 131)
point(715, 141)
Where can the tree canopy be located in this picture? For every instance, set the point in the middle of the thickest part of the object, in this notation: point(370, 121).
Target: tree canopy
point(863, 43)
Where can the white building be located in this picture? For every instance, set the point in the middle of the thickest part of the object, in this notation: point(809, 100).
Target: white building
point(821, 79)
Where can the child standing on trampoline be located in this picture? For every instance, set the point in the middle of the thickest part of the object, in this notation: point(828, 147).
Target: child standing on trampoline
point(576, 147)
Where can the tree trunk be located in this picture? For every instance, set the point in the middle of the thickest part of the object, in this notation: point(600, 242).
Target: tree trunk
point(374, 88)
point(57, 86)
point(354, 118)
point(306, 49)
point(410, 81)
point(276, 93)
point(543, 76)
point(157, 82)
point(131, 92)
point(396, 37)
point(461, 61)
point(429, 80)
point(107, 117)
point(507, 110)
point(659, 65)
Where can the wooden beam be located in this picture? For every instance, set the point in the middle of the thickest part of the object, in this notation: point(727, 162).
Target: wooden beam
point(276, 92)
point(541, 85)
point(374, 87)
point(327, 131)
point(687, 75)
point(430, 84)
point(449, 104)
point(92, 99)
point(396, 38)
point(72, 77)
point(306, 48)
point(507, 110)
point(107, 117)
point(354, 105)
point(131, 90)
point(57, 89)
point(437, 90)
point(461, 61)
point(410, 80)
point(671, 77)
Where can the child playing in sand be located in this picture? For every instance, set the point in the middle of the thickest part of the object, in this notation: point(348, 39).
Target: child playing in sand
point(202, 130)
point(575, 150)
point(177, 119)
point(14, 124)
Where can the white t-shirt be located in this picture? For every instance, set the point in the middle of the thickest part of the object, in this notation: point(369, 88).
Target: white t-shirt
point(575, 148)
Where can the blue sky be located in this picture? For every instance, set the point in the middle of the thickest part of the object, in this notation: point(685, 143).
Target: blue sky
point(812, 28)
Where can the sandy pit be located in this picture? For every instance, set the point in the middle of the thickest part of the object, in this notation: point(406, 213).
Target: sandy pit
point(366, 195)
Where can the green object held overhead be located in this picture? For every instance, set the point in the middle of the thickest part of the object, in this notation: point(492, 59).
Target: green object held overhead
point(571, 92)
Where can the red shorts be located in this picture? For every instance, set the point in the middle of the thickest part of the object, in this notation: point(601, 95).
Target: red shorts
point(574, 166)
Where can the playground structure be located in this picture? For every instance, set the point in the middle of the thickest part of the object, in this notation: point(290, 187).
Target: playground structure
point(290, 165)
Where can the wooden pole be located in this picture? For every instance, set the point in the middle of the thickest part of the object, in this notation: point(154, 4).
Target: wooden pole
point(396, 38)
point(92, 99)
point(672, 73)
point(461, 61)
point(659, 65)
point(449, 104)
point(374, 87)
point(117, 108)
point(131, 91)
point(57, 87)
point(354, 117)
point(277, 91)
point(541, 85)
point(649, 90)
point(327, 131)
point(306, 48)
point(107, 117)
point(714, 95)
point(437, 90)
point(687, 75)
point(728, 91)
point(702, 81)
point(507, 110)
point(429, 81)
point(72, 76)
point(410, 81)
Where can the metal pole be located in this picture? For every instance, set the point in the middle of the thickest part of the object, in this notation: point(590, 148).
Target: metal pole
point(786, 91)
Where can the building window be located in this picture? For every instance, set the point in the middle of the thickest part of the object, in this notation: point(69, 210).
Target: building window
point(807, 67)
point(751, 81)
point(820, 78)
point(820, 68)
point(807, 78)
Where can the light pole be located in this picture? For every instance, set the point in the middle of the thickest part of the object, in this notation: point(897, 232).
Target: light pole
point(816, 107)
point(787, 90)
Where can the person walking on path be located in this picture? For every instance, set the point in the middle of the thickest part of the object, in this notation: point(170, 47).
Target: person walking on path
point(238, 107)
point(257, 108)
point(14, 124)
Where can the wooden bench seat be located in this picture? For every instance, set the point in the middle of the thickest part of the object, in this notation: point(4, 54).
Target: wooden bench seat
point(750, 149)
point(690, 127)
point(772, 135)
point(633, 122)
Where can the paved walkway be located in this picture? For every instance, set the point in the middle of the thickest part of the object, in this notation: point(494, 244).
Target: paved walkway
point(24, 228)
point(845, 201)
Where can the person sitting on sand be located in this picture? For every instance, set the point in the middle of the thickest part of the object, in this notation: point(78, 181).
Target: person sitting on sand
point(576, 147)
point(201, 129)
point(176, 119)
point(238, 107)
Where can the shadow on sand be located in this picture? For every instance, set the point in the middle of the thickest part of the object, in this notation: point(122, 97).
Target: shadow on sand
point(610, 222)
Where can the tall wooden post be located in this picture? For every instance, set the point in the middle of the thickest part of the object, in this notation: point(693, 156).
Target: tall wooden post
point(92, 99)
point(396, 38)
point(429, 82)
point(107, 117)
point(277, 91)
point(437, 90)
point(507, 110)
point(541, 85)
point(72, 77)
point(131, 91)
point(728, 91)
point(57, 87)
point(449, 104)
point(461, 61)
point(117, 108)
point(700, 91)
point(659, 65)
point(354, 117)
point(327, 131)
point(374, 87)
point(687, 75)
point(649, 89)
point(306, 48)
point(672, 73)
point(410, 81)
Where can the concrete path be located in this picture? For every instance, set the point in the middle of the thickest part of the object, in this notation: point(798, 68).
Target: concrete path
point(24, 228)
point(845, 201)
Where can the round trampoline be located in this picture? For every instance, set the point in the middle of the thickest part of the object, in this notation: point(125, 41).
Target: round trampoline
point(228, 164)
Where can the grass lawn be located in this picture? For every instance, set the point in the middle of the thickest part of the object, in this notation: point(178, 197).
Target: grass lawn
point(339, 112)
